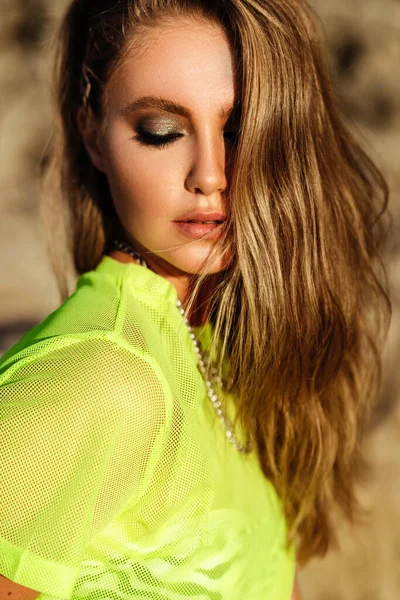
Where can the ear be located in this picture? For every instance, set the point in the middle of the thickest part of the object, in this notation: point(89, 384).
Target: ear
point(89, 128)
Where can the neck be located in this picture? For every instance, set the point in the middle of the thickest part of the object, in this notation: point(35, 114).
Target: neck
point(199, 313)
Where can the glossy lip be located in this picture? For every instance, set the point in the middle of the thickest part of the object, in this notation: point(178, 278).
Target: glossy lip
point(211, 231)
point(197, 215)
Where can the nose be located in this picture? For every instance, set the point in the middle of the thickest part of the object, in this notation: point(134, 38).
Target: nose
point(208, 173)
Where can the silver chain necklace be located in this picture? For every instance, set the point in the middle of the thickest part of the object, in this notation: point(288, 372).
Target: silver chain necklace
point(228, 426)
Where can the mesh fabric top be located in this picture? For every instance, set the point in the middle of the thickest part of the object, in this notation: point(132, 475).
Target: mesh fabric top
point(117, 480)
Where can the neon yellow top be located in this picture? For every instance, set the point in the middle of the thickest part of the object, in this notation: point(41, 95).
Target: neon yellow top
point(117, 480)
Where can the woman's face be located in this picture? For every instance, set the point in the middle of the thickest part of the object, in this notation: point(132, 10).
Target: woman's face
point(154, 186)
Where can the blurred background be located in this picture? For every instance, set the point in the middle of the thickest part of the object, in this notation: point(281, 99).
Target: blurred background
point(362, 39)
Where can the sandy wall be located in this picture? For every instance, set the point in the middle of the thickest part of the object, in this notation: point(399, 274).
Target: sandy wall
point(362, 42)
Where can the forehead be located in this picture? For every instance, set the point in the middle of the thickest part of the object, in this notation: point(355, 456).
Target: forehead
point(190, 62)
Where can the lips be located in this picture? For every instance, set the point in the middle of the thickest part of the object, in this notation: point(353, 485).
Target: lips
point(203, 222)
point(196, 230)
point(205, 217)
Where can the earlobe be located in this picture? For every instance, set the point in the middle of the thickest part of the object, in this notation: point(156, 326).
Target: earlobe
point(89, 129)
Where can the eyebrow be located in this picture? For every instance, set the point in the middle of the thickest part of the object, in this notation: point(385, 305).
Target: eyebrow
point(166, 105)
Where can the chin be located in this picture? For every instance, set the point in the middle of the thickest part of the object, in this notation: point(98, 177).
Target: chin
point(196, 263)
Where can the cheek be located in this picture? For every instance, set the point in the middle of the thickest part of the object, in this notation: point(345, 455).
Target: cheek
point(144, 182)
point(140, 189)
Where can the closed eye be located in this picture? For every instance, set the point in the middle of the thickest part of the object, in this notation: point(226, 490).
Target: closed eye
point(162, 141)
point(159, 141)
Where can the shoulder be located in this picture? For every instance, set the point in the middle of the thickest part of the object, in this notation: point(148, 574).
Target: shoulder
point(92, 307)
point(92, 312)
point(95, 344)
point(92, 372)
point(83, 398)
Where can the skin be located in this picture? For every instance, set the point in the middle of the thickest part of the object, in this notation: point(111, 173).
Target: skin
point(296, 589)
point(13, 591)
point(192, 64)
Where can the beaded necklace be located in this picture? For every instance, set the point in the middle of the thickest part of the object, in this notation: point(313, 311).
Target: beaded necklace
point(228, 426)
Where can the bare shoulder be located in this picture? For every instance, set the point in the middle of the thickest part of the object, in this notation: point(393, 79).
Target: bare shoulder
point(13, 591)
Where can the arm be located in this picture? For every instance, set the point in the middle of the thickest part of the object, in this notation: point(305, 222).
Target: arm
point(13, 591)
point(92, 435)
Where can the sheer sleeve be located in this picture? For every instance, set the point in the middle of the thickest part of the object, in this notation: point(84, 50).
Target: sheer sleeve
point(82, 426)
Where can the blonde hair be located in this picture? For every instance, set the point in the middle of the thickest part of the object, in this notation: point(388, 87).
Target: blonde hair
point(301, 312)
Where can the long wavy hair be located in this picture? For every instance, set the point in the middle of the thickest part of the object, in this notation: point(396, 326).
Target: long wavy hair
point(302, 311)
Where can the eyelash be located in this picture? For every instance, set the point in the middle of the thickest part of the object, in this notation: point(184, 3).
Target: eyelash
point(162, 141)
point(158, 141)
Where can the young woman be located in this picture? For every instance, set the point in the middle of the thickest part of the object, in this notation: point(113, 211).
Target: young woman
point(186, 422)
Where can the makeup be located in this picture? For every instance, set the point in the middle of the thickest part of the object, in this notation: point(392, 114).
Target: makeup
point(212, 231)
